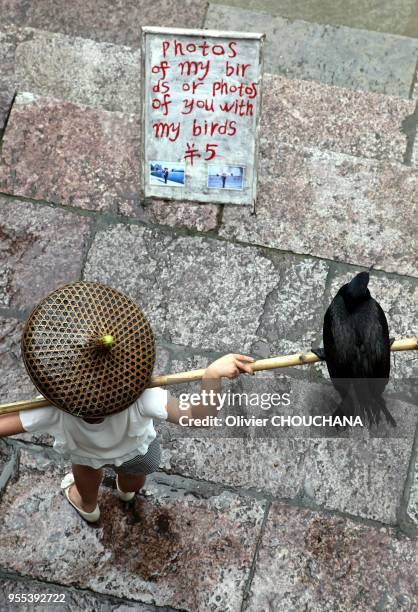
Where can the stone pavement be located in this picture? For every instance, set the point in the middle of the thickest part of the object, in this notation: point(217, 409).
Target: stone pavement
point(294, 523)
point(336, 55)
point(393, 16)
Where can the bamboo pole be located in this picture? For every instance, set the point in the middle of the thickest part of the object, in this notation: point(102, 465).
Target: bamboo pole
point(283, 361)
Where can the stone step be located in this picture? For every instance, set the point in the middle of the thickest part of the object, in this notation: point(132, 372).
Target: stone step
point(306, 113)
point(334, 206)
point(393, 16)
point(363, 478)
point(310, 561)
point(32, 238)
point(106, 21)
point(336, 55)
point(82, 156)
point(151, 551)
point(108, 76)
point(72, 68)
point(353, 206)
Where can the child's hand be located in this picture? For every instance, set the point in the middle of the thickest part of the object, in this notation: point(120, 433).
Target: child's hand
point(229, 366)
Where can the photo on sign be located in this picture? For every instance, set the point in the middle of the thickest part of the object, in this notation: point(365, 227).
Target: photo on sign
point(225, 177)
point(166, 173)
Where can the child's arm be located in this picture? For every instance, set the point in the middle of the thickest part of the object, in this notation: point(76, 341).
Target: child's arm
point(10, 424)
point(229, 366)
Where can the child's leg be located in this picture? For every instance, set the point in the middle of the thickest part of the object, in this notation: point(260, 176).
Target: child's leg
point(132, 473)
point(86, 488)
point(130, 482)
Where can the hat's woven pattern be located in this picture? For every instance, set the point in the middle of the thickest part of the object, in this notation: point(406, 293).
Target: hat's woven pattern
point(69, 364)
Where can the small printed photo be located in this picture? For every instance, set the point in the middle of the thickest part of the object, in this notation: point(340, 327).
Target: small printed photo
point(226, 177)
point(167, 173)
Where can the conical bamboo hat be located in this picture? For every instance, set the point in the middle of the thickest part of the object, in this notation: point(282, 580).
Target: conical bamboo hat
point(88, 349)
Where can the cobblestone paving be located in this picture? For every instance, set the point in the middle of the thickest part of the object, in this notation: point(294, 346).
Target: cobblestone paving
point(227, 524)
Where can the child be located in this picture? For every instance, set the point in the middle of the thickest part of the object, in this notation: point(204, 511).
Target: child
point(125, 441)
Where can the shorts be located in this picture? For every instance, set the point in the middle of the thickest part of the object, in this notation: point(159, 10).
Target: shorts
point(142, 464)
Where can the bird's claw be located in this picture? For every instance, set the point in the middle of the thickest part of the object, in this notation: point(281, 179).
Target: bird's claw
point(319, 352)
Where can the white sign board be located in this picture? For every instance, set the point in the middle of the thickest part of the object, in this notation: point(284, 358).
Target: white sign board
point(201, 103)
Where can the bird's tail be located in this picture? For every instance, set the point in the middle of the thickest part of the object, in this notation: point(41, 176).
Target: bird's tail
point(363, 398)
point(371, 404)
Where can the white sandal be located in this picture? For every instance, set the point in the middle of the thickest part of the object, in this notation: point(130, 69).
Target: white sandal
point(66, 483)
point(122, 495)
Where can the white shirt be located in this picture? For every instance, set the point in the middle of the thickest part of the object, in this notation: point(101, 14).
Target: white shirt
point(118, 438)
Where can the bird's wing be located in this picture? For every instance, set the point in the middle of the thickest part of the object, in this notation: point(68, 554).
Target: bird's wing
point(339, 340)
point(375, 362)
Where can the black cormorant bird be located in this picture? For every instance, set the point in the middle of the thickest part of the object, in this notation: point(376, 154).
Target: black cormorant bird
point(357, 351)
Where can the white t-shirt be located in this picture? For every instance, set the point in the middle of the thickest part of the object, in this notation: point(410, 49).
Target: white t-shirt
point(118, 438)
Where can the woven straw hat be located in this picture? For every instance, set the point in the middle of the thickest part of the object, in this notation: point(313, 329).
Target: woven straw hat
point(88, 349)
